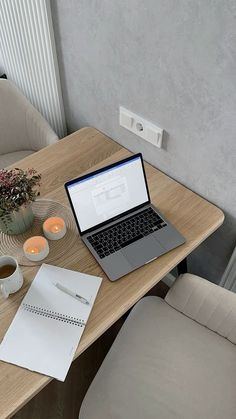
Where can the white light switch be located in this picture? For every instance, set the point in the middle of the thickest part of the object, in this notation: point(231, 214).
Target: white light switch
point(154, 136)
point(141, 127)
point(126, 120)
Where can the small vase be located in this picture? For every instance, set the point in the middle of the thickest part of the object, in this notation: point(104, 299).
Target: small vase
point(17, 222)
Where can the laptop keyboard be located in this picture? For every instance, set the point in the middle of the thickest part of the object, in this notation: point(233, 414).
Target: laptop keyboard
point(126, 232)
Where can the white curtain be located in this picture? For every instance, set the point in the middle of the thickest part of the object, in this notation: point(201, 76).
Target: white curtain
point(229, 277)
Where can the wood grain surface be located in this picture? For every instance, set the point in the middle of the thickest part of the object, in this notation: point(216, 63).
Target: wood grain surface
point(193, 216)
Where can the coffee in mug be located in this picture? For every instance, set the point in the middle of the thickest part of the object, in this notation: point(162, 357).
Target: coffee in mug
point(6, 270)
point(11, 278)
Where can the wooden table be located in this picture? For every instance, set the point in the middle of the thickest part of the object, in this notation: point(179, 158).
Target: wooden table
point(85, 150)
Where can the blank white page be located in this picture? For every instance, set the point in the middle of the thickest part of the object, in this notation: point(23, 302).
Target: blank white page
point(41, 342)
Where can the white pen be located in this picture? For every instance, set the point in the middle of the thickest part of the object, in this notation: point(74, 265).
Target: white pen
point(72, 293)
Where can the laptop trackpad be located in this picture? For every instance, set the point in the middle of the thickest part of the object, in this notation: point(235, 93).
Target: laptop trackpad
point(143, 250)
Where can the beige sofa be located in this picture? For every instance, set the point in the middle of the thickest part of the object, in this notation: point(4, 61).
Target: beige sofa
point(23, 130)
point(173, 358)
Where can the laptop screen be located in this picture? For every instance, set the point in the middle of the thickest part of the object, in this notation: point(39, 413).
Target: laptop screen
point(105, 194)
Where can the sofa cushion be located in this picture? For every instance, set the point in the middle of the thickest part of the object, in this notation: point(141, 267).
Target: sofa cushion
point(163, 365)
point(10, 158)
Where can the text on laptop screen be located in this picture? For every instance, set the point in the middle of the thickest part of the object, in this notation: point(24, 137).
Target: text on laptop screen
point(104, 195)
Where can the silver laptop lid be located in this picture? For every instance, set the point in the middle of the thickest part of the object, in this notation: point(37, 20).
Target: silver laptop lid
point(109, 193)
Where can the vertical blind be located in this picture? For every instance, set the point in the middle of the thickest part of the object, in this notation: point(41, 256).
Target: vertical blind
point(29, 56)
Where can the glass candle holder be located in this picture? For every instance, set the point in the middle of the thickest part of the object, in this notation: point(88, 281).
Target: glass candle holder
point(36, 248)
point(54, 228)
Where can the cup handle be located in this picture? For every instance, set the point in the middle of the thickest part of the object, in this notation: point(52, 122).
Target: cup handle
point(3, 291)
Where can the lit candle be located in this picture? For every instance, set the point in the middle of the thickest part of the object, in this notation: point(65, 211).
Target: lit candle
point(36, 248)
point(54, 228)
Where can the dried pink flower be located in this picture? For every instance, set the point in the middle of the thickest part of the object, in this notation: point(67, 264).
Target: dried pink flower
point(17, 187)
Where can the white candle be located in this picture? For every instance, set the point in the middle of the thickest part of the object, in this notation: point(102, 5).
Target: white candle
point(54, 228)
point(36, 248)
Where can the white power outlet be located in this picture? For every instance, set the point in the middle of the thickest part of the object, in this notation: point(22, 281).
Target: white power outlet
point(141, 127)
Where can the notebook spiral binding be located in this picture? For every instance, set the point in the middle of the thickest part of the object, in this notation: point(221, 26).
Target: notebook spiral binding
point(53, 315)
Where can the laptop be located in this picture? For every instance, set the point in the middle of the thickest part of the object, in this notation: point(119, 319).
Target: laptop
point(116, 219)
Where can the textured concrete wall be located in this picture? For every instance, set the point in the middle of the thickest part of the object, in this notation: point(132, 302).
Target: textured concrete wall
point(173, 62)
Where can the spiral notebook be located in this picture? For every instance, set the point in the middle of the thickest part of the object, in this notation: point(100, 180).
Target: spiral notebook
point(49, 323)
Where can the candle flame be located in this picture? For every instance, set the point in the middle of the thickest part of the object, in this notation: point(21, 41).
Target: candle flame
point(55, 228)
point(33, 250)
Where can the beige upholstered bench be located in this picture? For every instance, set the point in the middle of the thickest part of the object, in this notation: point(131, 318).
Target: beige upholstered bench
point(173, 359)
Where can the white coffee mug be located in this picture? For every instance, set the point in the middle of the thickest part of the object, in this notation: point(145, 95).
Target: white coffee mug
point(13, 282)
